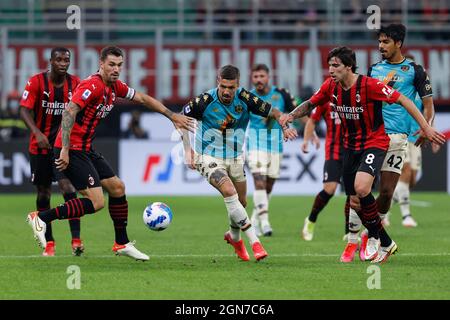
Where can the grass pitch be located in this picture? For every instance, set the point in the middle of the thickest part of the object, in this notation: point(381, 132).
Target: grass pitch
point(190, 260)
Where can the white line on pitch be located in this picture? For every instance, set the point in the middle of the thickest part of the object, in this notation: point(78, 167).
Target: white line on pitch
point(217, 255)
point(424, 204)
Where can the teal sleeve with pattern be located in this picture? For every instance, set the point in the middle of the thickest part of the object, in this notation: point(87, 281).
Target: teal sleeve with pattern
point(255, 104)
point(197, 106)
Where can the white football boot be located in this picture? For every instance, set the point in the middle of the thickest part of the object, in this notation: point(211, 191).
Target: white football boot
point(385, 253)
point(129, 250)
point(39, 227)
point(371, 250)
point(409, 222)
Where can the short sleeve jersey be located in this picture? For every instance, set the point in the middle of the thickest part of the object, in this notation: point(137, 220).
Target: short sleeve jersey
point(360, 110)
point(266, 134)
point(221, 130)
point(96, 100)
point(47, 103)
point(408, 78)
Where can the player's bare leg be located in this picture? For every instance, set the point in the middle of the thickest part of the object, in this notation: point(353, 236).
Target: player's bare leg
point(220, 180)
point(388, 182)
point(406, 182)
point(260, 216)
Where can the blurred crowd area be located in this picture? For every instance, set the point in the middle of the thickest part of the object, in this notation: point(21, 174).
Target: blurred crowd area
point(433, 14)
point(11, 125)
point(119, 21)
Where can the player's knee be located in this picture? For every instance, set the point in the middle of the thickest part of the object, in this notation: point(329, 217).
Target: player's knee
point(228, 191)
point(66, 187)
point(260, 185)
point(269, 188)
point(43, 200)
point(118, 189)
point(98, 203)
point(330, 188)
point(260, 181)
point(44, 192)
point(386, 194)
point(362, 190)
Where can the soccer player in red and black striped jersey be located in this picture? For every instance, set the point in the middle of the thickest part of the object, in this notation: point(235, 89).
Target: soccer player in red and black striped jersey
point(332, 169)
point(355, 98)
point(43, 101)
point(88, 170)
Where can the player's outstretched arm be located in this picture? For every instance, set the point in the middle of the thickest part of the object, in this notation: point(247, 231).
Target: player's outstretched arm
point(426, 129)
point(42, 141)
point(309, 135)
point(67, 122)
point(288, 133)
point(428, 109)
point(428, 113)
point(179, 121)
point(188, 152)
point(300, 111)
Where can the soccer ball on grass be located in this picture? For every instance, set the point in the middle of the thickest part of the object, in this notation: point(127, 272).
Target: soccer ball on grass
point(157, 216)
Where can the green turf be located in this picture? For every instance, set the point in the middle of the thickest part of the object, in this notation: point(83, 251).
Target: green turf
point(190, 260)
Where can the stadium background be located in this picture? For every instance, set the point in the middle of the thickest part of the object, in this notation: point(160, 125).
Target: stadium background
point(173, 49)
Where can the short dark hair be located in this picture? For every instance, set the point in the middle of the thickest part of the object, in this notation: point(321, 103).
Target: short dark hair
point(58, 49)
point(111, 50)
point(395, 31)
point(259, 67)
point(346, 55)
point(229, 72)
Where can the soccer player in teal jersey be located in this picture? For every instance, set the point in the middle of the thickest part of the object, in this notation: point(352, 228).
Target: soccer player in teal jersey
point(412, 165)
point(265, 146)
point(411, 80)
point(223, 114)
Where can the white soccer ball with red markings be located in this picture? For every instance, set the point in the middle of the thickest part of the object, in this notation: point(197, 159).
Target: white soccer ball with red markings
point(157, 216)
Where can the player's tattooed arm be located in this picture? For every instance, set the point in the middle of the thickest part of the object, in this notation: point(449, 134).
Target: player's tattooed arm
point(300, 111)
point(67, 122)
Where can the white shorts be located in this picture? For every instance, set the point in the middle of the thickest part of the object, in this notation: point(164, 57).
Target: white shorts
point(206, 165)
point(396, 153)
point(414, 156)
point(264, 163)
